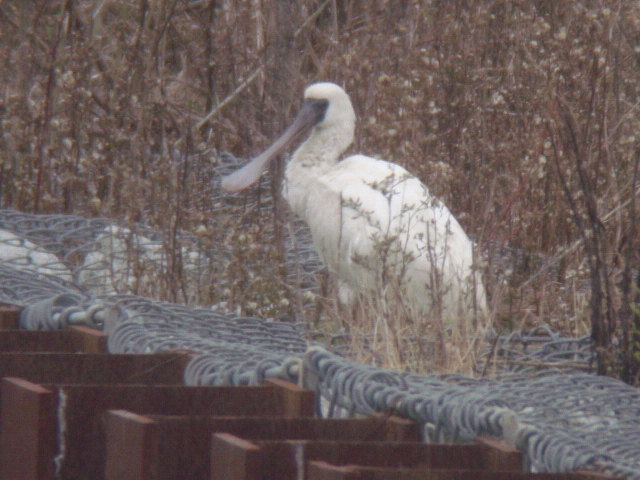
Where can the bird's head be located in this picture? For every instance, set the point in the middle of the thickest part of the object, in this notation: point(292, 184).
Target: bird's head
point(332, 104)
point(326, 105)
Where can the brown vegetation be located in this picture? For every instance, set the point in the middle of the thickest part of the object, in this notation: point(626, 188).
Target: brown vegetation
point(523, 116)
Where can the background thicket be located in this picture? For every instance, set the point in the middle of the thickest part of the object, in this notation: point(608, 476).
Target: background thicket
point(522, 116)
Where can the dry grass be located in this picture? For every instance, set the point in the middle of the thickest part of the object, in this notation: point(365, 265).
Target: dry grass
point(101, 109)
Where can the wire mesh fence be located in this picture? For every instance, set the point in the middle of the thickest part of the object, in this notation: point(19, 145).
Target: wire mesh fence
point(539, 397)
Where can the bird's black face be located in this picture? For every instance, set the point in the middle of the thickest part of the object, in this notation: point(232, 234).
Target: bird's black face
point(317, 108)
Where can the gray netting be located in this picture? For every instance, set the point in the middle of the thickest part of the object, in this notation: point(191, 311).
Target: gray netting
point(539, 349)
point(96, 254)
point(560, 420)
point(107, 257)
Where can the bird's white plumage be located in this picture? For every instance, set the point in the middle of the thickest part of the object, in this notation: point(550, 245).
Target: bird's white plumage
point(372, 220)
point(374, 224)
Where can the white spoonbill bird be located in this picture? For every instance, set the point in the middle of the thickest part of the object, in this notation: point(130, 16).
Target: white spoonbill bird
point(375, 225)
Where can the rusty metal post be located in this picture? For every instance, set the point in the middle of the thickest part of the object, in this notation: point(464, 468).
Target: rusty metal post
point(296, 401)
point(398, 429)
point(28, 431)
point(35, 341)
point(233, 458)
point(90, 340)
point(325, 471)
point(131, 446)
point(9, 315)
point(500, 456)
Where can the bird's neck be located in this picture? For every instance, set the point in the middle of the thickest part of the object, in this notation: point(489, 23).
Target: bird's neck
point(315, 157)
point(323, 148)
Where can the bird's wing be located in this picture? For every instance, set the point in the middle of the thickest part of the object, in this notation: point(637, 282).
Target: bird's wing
point(387, 211)
point(375, 225)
